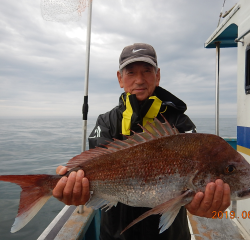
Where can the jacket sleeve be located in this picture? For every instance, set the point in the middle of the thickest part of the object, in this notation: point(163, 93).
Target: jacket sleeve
point(100, 134)
point(184, 124)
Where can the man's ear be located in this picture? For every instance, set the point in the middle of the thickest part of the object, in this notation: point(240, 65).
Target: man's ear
point(158, 76)
point(119, 77)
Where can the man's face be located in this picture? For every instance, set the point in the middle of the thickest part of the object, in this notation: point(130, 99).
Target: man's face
point(139, 78)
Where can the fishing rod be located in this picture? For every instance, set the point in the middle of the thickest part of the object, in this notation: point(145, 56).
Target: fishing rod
point(85, 106)
point(86, 83)
point(70, 10)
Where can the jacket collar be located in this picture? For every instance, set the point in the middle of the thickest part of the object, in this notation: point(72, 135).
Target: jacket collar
point(134, 113)
point(167, 98)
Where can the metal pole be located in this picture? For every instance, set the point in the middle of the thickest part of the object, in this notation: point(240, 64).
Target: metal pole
point(234, 205)
point(86, 84)
point(217, 88)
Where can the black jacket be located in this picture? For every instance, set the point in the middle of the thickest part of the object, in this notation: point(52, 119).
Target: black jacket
point(109, 126)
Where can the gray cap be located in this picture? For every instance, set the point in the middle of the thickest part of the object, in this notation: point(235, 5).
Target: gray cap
point(138, 52)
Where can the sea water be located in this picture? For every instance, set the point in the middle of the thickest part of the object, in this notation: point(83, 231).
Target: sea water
point(38, 146)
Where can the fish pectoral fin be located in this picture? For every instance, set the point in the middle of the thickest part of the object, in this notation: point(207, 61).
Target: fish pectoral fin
point(97, 202)
point(109, 205)
point(168, 210)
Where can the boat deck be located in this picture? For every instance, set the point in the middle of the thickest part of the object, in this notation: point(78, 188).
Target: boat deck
point(216, 229)
point(85, 226)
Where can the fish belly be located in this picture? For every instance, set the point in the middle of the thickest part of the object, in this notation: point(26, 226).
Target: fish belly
point(141, 192)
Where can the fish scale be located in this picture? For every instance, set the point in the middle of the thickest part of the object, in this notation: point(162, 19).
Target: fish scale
point(158, 168)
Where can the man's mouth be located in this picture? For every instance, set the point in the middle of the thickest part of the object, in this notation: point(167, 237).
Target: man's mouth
point(139, 89)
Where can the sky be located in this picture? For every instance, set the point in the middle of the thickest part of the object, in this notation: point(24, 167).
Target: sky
point(42, 63)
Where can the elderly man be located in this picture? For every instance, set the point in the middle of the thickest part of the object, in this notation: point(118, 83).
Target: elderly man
point(142, 100)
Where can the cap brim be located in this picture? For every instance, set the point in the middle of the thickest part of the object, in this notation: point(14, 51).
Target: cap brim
point(139, 59)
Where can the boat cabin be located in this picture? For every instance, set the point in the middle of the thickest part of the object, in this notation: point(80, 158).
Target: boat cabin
point(234, 31)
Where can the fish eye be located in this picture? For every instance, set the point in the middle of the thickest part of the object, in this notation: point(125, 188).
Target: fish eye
point(230, 169)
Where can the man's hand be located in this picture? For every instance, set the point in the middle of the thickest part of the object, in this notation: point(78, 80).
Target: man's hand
point(216, 198)
point(72, 190)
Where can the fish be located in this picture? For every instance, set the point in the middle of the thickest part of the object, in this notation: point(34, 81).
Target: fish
point(158, 168)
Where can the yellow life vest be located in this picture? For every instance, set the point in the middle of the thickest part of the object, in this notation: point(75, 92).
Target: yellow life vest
point(149, 117)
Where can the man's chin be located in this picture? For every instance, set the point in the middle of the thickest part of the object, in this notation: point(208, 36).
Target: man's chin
point(141, 97)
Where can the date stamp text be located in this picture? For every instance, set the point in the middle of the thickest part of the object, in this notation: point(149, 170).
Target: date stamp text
point(230, 214)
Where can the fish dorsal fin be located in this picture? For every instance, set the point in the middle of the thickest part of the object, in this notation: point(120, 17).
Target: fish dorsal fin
point(151, 131)
point(86, 156)
point(159, 129)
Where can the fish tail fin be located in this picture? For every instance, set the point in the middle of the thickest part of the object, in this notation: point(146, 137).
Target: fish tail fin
point(36, 190)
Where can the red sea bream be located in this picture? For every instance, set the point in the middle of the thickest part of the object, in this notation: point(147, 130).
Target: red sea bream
point(158, 168)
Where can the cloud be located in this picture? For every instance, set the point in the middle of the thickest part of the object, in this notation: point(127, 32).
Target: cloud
point(42, 63)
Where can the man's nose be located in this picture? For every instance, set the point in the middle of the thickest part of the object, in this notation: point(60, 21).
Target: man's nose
point(139, 78)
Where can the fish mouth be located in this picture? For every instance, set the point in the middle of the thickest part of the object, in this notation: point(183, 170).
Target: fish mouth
point(242, 194)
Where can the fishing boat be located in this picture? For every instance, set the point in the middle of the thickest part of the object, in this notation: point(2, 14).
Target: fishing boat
point(233, 31)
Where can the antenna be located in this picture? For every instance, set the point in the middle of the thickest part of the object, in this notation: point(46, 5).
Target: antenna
point(221, 13)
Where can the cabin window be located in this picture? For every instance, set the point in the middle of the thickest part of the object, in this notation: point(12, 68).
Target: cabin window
point(247, 71)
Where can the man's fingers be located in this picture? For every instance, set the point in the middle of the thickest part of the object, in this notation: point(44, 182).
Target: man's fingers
point(195, 204)
point(58, 169)
point(216, 198)
point(226, 198)
point(73, 190)
point(58, 190)
point(218, 195)
point(68, 190)
point(208, 198)
point(85, 191)
point(61, 170)
point(77, 190)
